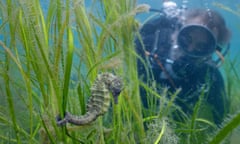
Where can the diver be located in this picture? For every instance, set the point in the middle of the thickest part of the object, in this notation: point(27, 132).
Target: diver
point(178, 47)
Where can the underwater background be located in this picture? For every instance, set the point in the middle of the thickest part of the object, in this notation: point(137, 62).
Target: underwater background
point(51, 53)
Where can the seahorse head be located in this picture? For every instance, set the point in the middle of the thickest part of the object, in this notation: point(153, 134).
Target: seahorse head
point(113, 83)
point(115, 88)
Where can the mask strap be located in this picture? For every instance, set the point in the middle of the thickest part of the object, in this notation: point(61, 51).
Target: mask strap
point(221, 56)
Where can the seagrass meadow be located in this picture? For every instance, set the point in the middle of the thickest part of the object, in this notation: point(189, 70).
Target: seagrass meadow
point(50, 57)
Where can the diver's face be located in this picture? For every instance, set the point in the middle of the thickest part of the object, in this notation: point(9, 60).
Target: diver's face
point(196, 41)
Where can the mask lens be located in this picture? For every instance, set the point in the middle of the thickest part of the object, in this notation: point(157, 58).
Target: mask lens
point(196, 41)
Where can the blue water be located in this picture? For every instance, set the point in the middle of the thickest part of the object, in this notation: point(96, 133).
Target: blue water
point(233, 21)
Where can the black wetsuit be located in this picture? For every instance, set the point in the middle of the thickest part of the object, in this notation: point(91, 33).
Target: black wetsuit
point(156, 37)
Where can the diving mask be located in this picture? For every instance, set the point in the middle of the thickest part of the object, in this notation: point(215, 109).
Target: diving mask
point(196, 41)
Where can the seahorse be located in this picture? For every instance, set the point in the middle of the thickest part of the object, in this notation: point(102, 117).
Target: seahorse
point(99, 100)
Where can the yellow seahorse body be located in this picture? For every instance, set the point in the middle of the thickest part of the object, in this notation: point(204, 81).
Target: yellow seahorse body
point(99, 101)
